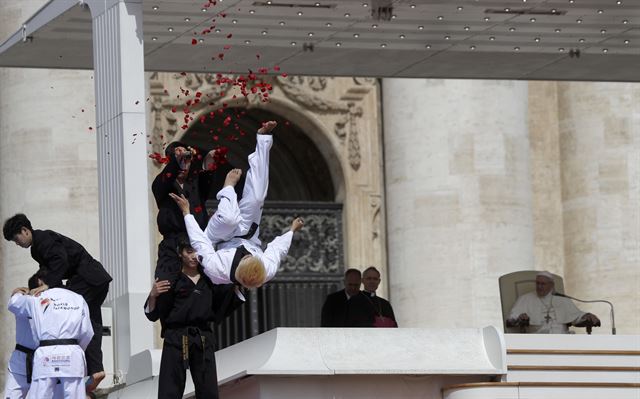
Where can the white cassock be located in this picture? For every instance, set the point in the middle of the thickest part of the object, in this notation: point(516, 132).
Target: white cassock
point(233, 219)
point(56, 314)
point(547, 315)
point(16, 385)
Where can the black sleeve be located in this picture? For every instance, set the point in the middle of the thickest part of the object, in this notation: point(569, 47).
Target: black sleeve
point(163, 306)
point(225, 301)
point(54, 258)
point(325, 317)
point(163, 183)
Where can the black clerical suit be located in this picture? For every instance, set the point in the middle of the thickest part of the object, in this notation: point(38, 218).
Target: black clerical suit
point(170, 220)
point(338, 311)
point(373, 306)
point(65, 259)
point(187, 313)
point(334, 310)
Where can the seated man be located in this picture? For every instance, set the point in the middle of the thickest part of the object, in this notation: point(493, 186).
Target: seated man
point(233, 229)
point(186, 313)
point(543, 313)
point(62, 326)
point(21, 361)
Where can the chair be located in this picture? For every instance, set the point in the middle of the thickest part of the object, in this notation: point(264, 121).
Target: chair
point(513, 285)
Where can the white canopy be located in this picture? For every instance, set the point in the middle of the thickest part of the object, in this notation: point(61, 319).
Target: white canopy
point(537, 39)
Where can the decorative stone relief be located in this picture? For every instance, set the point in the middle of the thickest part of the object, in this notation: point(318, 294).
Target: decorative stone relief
point(346, 127)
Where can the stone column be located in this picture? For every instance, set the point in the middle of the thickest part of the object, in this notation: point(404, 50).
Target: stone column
point(458, 197)
point(118, 53)
point(600, 166)
point(47, 161)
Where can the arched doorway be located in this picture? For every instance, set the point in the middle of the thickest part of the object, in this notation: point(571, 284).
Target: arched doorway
point(300, 184)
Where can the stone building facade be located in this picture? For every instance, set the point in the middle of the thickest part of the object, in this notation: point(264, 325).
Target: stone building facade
point(445, 184)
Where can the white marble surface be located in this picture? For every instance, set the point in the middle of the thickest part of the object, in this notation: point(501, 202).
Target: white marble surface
point(458, 197)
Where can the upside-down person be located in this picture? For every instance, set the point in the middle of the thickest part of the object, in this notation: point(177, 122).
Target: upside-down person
point(62, 328)
point(186, 312)
point(233, 229)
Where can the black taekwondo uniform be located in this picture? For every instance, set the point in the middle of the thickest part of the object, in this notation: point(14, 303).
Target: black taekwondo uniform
point(65, 259)
point(187, 314)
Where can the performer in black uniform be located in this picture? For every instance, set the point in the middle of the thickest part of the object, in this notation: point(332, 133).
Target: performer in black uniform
point(190, 175)
point(64, 259)
point(187, 313)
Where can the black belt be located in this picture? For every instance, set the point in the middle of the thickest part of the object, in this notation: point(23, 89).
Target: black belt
point(29, 362)
point(53, 342)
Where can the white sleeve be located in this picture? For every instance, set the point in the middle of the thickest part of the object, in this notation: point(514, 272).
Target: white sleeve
point(275, 253)
point(19, 304)
point(518, 308)
point(210, 260)
point(86, 330)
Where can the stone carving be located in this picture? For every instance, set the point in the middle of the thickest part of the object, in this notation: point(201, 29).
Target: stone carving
point(355, 112)
point(346, 125)
point(317, 248)
point(294, 88)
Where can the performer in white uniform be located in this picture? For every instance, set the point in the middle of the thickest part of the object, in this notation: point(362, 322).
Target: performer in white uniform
point(62, 327)
point(233, 229)
point(545, 313)
point(19, 375)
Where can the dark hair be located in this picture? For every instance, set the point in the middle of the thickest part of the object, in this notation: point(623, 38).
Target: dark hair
point(371, 268)
point(33, 280)
point(169, 150)
point(183, 243)
point(352, 271)
point(14, 225)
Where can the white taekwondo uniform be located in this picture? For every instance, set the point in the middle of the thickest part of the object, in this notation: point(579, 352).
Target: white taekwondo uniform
point(234, 219)
point(16, 385)
point(57, 314)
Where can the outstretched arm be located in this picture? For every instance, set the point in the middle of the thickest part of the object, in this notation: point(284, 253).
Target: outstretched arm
point(278, 248)
point(214, 266)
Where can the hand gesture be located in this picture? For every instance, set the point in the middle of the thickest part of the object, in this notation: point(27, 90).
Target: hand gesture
point(523, 318)
point(36, 291)
point(159, 287)
point(182, 201)
point(23, 290)
point(297, 224)
point(267, 127)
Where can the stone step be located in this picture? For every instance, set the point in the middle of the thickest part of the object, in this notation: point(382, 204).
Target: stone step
point(542, 390)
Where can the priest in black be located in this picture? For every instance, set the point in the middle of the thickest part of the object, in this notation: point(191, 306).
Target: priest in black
point(187, 310)
point(62, 258)
point(378, 310)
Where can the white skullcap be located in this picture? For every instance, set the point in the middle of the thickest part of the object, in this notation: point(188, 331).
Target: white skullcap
point(545, 274)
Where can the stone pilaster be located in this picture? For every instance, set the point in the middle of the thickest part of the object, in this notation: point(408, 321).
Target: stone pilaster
point(458, 192)
point(600, 164)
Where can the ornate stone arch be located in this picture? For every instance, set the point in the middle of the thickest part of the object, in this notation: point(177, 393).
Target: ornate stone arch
point(342, 118)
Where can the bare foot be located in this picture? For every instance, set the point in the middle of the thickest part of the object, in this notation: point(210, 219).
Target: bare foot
point(267, 127)
point(94, 381)
point(232, 177)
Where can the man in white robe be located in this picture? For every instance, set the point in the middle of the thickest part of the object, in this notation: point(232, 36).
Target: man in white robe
point(543, 313)
point(233, 229)
point(19, 378)
point(62, 328)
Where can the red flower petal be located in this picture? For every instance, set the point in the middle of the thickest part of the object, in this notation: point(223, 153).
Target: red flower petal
point(194, 42)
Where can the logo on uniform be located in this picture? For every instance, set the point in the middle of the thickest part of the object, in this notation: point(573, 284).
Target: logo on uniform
point(45, 302)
